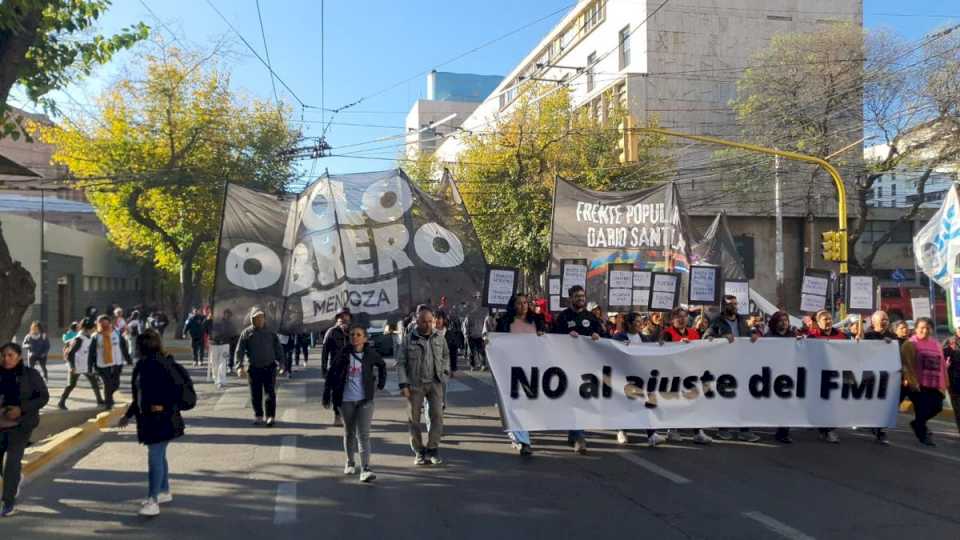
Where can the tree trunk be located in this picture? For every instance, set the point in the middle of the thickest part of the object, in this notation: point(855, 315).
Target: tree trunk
point(18, 291)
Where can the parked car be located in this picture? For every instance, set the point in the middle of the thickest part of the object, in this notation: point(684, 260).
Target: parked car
point(896, 302)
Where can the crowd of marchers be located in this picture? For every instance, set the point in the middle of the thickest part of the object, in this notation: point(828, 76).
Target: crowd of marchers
point(427, 346)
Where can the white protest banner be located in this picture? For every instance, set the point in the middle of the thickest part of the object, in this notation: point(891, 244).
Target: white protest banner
point(740, 289)
point(921, 306)
point(500, 285)
point(665, 294)
point(861, 294)
point(619, 285)
point(704, 281)
point(640, 298)
point(641, 279)
point(555, 303)
point(556, 382)
point(815, 284)
point(572, 272)
point(554, 287)
point(811, 303)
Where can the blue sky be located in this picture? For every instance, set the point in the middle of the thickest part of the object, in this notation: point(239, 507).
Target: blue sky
point(372, 45)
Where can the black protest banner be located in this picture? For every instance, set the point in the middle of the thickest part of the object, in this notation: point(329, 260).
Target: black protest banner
point(645, 228)
point(717, 248)
point(371, 242)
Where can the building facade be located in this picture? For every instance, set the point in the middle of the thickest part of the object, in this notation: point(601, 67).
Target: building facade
point(55, 234)
point(679, 63)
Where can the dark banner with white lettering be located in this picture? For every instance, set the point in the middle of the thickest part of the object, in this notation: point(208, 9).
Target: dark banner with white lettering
point(371, 242)
point(717, 248)
point(645, 228)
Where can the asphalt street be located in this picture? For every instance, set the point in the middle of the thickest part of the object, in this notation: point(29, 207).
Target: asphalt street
point(231, 479)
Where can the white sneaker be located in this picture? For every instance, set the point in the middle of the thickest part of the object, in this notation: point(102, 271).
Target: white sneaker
point(655, 439)
point(725, 435)
point(702, 438)
point(748, 436)
point(367, 475)
point(580, 446)
point(830, 437)
point(622, 437)
point(150, 508)
point(349, 469)
point(674, 436)
point(164, 497)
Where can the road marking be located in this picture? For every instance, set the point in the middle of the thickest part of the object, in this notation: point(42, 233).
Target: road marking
point(655, 469)
point(290, 416)
point(776, 526)
point(285, 504)
point(288, 448)
point(231, 399)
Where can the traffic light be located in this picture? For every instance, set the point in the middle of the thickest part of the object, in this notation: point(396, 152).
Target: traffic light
point(625, 141)
point(833, 245)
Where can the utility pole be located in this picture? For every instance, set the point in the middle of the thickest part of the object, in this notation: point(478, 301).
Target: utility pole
point(778, 264)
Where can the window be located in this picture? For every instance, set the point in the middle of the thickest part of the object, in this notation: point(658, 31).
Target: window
point(590, 61)
point(625, 47)
point(592, 16)
point(875, 230)
point(880, 192)
point(779, 18)
point(893, 190)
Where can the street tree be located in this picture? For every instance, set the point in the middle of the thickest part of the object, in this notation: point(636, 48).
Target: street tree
point(508, 170)
point(819, 93)
point(44, 46)
point(155, 157)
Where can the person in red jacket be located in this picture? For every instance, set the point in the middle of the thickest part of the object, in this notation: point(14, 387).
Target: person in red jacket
point(680, 332)
point(823, 329)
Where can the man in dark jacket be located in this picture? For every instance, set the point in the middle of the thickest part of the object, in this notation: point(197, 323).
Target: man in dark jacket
point(262, 349)
point(335, 340)
point(22, 394)
point(577, 321)
point(729, 324)
point(194, 328)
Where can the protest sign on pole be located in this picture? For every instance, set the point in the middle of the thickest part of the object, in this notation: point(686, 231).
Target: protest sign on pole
point(553, 285)
point(861, 294)
point(641, 289)
point(741, 289)
point(815, 290)
point(619, 286)
point(500, 285)
point(572, 272)
point(664, 291)
point(553, 382)
point(920, 302)
point(704, 285)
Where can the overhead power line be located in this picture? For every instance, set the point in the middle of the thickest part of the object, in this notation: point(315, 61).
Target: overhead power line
point(266, 52)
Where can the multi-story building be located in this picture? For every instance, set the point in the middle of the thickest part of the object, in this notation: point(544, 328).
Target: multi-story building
point(55, 234)
point(451, 98)
point(898, 189)
point(679, 63)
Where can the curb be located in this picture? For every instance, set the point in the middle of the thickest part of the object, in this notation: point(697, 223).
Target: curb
point(58, 447)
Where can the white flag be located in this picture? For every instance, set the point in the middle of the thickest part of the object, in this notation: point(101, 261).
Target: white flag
point(937, 245)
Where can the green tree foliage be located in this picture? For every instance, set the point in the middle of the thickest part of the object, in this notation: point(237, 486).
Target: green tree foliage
point(155, 159)
point(44, 45)
point(507, 172)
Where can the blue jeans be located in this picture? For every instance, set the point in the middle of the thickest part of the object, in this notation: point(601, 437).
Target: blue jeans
point(157, 471)
point(575, 434)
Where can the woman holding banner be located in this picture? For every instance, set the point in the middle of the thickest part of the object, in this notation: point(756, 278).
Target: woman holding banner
point(634, 334)
point(823, 329)
point(520, 319)
point(926, 372)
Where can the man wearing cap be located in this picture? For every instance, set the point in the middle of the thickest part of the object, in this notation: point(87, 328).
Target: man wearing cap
point(262, 349)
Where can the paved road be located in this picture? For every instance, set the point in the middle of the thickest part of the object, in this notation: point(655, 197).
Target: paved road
point(233, 480)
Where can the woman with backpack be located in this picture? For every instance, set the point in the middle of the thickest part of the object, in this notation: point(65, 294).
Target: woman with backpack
point(161, 388)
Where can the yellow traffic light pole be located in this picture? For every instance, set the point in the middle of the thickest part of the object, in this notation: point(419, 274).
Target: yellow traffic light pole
point(794, 156)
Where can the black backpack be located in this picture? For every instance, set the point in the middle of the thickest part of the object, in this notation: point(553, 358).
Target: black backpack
point(188, 396)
